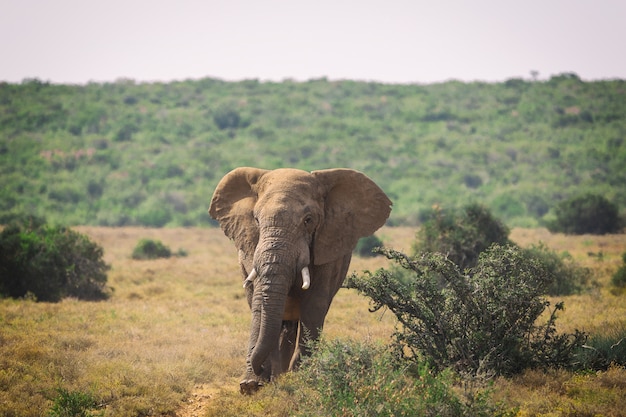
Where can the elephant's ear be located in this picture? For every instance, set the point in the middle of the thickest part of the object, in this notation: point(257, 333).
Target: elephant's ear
point(232, 206)
point(354, 207)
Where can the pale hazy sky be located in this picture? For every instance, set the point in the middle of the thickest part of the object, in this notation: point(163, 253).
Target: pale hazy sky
point(395, 41)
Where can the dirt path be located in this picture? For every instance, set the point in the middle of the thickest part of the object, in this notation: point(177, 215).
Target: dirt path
point(197, 403)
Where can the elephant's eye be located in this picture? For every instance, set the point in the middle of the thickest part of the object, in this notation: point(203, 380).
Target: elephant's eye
point(308, 220)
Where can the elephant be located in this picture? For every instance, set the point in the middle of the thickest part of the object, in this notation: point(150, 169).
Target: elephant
point(295, 232)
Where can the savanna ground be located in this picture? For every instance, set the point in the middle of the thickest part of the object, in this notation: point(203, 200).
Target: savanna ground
point(171, 340)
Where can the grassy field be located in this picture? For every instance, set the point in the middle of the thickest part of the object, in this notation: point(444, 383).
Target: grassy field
point(171, 340)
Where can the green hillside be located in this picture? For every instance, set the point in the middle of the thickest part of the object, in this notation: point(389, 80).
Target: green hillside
point(127, 153)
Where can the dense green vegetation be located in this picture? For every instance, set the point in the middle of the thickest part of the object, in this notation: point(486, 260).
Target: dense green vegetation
point(589, 213)
point(362, 379)
point(482, 323)
point(463, 234)
point(49, 263)
point(127, 153)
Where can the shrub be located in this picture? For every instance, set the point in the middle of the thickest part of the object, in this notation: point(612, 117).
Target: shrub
point(226, 118)
point(536, 205)
point(589, 213)
point(566, 277)
point(151, 249)
point(472, 180)
point(50, 262)
point(619, 277)
point(461, 234)
point(483, 323)
point(125, 132)
point(351, 379)
point(95, 189)
point(366, 245)
point(66, 194)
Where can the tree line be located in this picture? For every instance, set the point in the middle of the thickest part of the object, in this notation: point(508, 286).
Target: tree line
point(129, 153)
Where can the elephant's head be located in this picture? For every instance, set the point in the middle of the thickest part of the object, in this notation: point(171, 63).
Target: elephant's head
point(286, 220)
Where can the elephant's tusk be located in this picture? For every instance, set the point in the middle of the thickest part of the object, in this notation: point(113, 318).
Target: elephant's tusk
point(250, 278)
point(306, 278)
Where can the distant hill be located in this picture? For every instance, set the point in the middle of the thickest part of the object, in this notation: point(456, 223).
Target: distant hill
point(127, 153)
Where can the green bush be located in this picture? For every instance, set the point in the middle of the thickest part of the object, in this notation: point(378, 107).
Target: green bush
point(567, 277)
point(619, 277)
point(366, 245)
point(50, 262)
point(461, 234)
point(589, 213)
point(227, 118)
point(151, 249)
point(484, 323)
point(350, 379)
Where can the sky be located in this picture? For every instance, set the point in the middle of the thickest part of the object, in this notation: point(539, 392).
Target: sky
point(389, 41)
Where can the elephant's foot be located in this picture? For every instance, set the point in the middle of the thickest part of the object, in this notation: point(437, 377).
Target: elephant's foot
point(250, 385)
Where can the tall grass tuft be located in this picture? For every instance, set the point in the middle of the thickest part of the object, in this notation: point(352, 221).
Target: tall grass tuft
point(73, 404)
point(618, 279)
point(603, 350)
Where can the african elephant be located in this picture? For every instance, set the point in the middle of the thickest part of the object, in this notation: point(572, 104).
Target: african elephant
point(295, 232)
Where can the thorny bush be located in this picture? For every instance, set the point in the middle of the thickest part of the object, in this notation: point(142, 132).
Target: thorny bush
point(482, 323)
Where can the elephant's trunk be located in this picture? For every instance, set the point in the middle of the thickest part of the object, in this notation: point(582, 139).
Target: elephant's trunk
point(270, 324)
point(275, 268)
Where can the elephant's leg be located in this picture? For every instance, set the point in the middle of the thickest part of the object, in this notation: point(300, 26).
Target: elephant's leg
point(280, 358)
point(309, 332)
point(315, 305)
point(288, 340)
point(250, 383)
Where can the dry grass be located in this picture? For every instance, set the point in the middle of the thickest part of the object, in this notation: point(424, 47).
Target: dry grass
point(174, 325)
point(600, 308)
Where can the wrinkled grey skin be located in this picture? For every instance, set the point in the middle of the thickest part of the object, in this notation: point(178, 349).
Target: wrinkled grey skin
point(282, 221)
